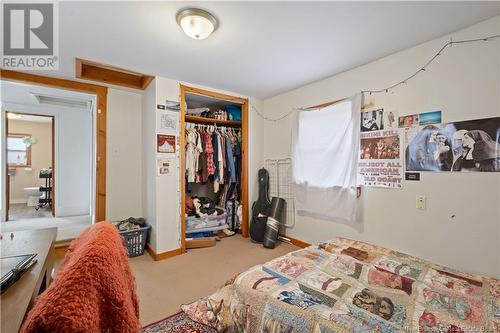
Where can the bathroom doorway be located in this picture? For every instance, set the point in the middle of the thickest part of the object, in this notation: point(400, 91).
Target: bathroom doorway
point(30, 190)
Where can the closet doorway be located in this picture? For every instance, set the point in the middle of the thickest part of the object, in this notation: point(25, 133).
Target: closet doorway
point(210, 112)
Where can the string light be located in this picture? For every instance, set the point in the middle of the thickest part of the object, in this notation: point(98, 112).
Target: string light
point(431, 60)
point(404, 81)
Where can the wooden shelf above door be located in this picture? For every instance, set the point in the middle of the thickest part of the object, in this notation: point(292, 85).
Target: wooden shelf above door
point(94, 71)
point(210, 121)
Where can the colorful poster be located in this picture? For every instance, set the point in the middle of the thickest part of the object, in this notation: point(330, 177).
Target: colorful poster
point(465, 146)
point(165, 143)
point(167, 122)
point(409, 120)
point(372, 120)
point(427, 118)
point(380, 162)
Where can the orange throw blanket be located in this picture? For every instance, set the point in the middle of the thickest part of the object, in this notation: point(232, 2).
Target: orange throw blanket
point(94, 290)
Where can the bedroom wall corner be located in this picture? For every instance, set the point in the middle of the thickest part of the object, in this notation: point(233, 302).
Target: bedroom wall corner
point(124, 155)
point(148, 155)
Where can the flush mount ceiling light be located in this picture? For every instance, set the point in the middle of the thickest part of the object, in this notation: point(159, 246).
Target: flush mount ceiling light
point(196, 23)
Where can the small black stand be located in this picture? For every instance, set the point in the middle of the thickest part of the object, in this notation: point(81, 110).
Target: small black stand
point(46, 200)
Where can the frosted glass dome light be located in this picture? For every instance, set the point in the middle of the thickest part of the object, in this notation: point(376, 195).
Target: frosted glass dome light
point(196, 23)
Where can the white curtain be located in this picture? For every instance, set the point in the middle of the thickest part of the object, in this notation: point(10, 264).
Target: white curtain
point(325, 151)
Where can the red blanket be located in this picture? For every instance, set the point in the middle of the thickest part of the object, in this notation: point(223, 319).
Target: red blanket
point(94, 290)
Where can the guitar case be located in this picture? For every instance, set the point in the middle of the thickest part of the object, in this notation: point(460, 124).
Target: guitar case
point(260, 208)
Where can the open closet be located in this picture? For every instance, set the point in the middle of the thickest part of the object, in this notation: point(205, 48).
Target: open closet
point(214, 176)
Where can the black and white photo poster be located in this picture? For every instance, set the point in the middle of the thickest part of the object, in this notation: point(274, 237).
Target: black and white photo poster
point(372, 120)
point(380, 161)
point(464, 146)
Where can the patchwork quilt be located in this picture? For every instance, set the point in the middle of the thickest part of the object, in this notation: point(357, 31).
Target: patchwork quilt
point(350, 286)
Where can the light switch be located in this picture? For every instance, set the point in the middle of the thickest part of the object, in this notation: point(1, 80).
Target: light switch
point(421, 202)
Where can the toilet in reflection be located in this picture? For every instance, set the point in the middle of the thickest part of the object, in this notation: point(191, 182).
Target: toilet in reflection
point(33, 194)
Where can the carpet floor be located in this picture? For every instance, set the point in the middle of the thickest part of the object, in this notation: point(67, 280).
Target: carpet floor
point(164, 285)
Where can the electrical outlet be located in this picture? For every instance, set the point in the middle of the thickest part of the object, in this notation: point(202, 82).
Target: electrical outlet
point(421, 202)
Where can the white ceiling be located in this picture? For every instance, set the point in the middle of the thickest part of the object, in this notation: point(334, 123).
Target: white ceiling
point(33, 119)
point(21, 94)
point(260, 48)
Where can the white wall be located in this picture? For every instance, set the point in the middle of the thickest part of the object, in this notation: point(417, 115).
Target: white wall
point(464, 84)
point(123, 155)
point(148, 161)
point(74, 156)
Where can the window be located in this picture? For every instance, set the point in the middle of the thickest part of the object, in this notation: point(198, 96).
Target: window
point(325, 146)
point(325, 151)
point(18, 150)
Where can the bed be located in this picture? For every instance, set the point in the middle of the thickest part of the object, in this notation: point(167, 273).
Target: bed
point(350, 286)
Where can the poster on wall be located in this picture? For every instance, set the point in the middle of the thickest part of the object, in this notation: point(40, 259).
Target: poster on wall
point(173, 105)
point(463, 146)
point(164, 166)
point(408, 121)
point(167, 122)
point(390, 120)
point(165, 143)
point(427, 118)
point(372, 120)
point(380, 163)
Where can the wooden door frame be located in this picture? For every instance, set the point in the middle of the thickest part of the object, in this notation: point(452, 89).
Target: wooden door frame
point(101, 93)
point(244, 154)
point(7, 180)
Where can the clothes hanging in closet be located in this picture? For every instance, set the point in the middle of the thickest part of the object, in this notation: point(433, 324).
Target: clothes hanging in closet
point(213, 155)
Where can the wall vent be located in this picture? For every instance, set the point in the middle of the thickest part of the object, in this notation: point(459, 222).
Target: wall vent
point(75, 103)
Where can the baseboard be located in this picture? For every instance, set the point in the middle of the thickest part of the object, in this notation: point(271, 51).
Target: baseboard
point(162, 255)
point(18, 201)
point(61, 249)
point(298, 242)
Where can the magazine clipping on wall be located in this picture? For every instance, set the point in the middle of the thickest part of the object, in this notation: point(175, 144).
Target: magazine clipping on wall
point(380, 163)
point(167, 122)
point(164, 166)
point(372, 120)
point(390, 119)
point(462, 146)
point(408, 121)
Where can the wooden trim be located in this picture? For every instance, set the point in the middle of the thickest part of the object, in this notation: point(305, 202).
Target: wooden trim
point(28, 150)
point(53, 194)
point(244, 171)
point(298, 242)
point(60, 250)
point(163, 255)
point(210, 121)
point(244, 154)
point(94, 71)
point(324, 105)
point(216, 95)
point(7, 176)
point(101, 93)
point(182, 173)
